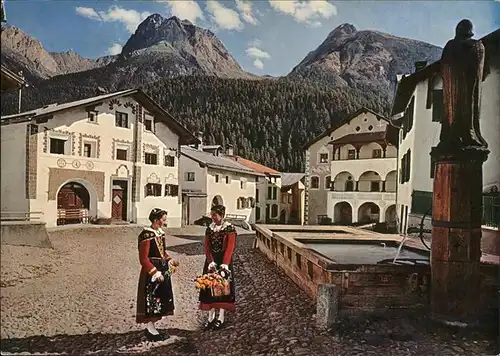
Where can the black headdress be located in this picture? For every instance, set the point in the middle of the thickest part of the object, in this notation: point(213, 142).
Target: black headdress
point(156, 214)
point(219, 209)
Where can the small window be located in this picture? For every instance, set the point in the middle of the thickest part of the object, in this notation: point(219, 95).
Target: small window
point(92, 116)
point(275, 193)
point(314, 182)
point(257, 179)
point(121, 119)
point(437, 105)
point(148, 125)
point(242, 184)
point(374, 186)
point(257, 195)
point(169, 161)
point(351, 154)
point(171, 190)
point(216, 178)
point(153, 190)
point(57, 146)
point(349, 186)
point(227, 179)
point(121, 154)
point(274, 210)
point(377, 153)
point(358, 128)
point(328, 182)
point(150, 158)
point(257, 213)
point(323, 158)
point(87, 150)
point(370, 127)
point(190, 176)
point(269, 193)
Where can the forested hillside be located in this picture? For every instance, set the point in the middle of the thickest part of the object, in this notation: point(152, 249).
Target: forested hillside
point(267, 121)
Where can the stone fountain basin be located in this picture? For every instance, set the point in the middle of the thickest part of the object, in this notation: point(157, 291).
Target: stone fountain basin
point(352, 251)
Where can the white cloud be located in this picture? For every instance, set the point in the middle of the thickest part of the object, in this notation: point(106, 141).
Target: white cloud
point(130, 18)
point(255, 52)
point(258, 64)
point(114, 49)
point(246, 13)
point(185, 9)
point(87, 12)
point(305, 11)
point(224, 18)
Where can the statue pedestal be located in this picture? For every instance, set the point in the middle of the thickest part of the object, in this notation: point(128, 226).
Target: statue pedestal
point(456, 233)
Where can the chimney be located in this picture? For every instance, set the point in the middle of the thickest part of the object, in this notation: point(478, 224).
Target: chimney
point(420, 65)
point(200, 138)
point(229, 150)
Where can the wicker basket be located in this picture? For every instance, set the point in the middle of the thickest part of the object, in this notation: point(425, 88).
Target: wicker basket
point(221, 291)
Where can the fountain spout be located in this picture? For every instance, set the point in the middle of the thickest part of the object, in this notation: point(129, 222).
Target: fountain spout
point(405, 236)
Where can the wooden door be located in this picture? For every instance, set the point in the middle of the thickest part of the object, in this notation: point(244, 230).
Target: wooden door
point(117, 204)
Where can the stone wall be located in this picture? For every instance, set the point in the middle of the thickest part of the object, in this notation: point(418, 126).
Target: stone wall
point(360, 287)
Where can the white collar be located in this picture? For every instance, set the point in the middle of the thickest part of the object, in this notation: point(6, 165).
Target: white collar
point(217, 228)
point(158, 232)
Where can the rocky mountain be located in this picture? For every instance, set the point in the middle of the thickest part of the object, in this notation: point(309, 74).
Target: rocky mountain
point(159, 48)
point(23, 52)
point(363, 59)
point(186, 48)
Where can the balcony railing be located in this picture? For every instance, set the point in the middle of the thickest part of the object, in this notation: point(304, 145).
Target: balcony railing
point(387, 196)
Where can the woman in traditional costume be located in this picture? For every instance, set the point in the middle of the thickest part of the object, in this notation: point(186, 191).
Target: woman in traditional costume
point(154, 295)
point(220, 239)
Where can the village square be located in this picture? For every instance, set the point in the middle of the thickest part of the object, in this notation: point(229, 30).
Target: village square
point(386, 242)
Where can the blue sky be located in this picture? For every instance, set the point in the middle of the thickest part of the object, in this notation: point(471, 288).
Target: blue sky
point(265, 37)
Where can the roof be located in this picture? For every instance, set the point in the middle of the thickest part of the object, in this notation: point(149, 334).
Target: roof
point(365, 137)
point(255, 166)
point(11, 81)
point(407, 85)
point(343, 122)
point(288, 179)
point(185, 136)
point(217, 162)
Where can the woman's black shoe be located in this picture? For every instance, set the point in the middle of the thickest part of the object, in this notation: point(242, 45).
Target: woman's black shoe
point(208, 325)
point(218, 324)
point(159, 337)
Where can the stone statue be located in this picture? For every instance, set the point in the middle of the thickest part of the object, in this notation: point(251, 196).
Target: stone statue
point(462, 66)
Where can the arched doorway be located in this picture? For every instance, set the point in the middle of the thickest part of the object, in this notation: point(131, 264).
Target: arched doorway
point(73, 204)
point(390, 214)
point(217, 200)
point(369, 213)
point(342, 213)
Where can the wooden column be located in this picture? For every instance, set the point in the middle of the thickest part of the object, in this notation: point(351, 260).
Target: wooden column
point(456, 236)
point(458, 182)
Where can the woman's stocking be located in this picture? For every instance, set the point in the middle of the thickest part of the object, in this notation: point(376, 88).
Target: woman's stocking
point(221, 315)
point(211, 315)
point(151, 328)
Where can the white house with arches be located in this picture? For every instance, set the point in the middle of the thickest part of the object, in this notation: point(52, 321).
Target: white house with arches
point(113, 156)
point(351, 172)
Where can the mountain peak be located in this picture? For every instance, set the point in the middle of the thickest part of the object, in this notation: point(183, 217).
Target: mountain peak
point(344, 29)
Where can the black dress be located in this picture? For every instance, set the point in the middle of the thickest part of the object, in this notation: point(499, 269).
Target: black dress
point(154, 299)
point(219, 247)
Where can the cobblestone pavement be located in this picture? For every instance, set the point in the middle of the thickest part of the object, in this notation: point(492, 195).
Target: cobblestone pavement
point(79, 298)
